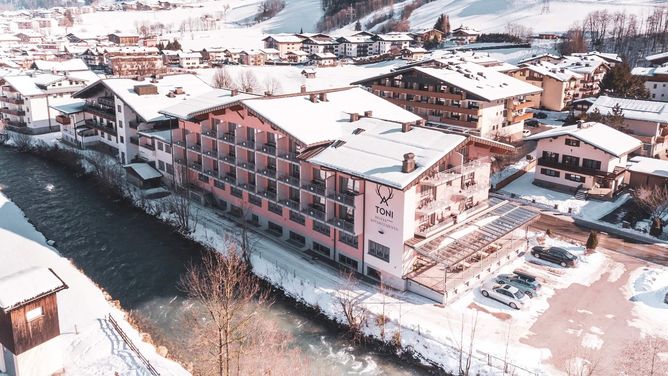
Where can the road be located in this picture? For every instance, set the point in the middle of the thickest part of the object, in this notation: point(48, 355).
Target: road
point(564, 226)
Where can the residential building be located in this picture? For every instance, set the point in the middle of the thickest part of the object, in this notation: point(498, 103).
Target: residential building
point(354, 46)
point(30, 37)
point(656, 81)
point(26, 99)
point(465, 35)
point(270, 54)
point(100, 58)
point(390, 43)
point(114, 110)
point(545, 57)
point(325, 59)
point(170, 57)
point(60, 66)
point(214, 56)
point(298, 56)
point(251, 57)
point(465, 95)
point(233, 55)
point(136, 65)
point(284, 43)
point(647, 172)
point(586, 157)
point(190, 60)
point(344, 175)
point(610, 58)
point(657, 60)
point(124, 39)
point(425, 35)
point(559, 84)
point(319, 44)
point(413, 53)
point(592, 68)
point(647, 121)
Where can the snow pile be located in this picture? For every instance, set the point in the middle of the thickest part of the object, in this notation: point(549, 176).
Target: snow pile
point(499, 176)
point(88, 345)
point(647, 288)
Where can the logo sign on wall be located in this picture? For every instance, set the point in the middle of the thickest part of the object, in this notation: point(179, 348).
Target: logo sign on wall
point(384, 215)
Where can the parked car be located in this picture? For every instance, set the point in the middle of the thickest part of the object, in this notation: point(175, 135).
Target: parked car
point(531, 123)
point(506, 294)
point(527, 283)
point(556, 255)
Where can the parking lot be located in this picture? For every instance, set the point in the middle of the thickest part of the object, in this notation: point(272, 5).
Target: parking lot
point(588, 312)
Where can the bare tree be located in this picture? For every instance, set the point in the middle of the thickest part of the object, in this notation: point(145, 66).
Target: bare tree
point(248, 82)
point(109, 172)
point(351, 306)
point(653, 199)
point(641, 358)
point(21, 141)
point(466, 350)
point(272, 85)
point(222, 79)
point(584, 361)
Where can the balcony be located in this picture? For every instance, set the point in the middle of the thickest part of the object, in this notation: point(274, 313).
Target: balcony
point(247, 187)
point(269, 172)
point(196, 166)
point(432, 94)
point(267, 149)
point(571, 168)
point(288, 155)
point(271, 195)
point(315, 186)
point(6, 110)
point(347, 198)
point(246, 144)
point(101, 111)
point(228, 158)
point(12, 100)
point(227, 137)
point(315, 211)
point(433, 206)
point(62, 119)
point(289, 179)
point(15, 123)
point(345, 224)
point(250, 166)
point(211, 153)
point(195, 147)
point(292, 204)
point(211, 173)
point(453, 173)
point(133, 124)
point(134, 140)
point(209, 133)
point(105, 128)
point(106, 101)
point(522, 117)
point(150, 147)
point(230, 178)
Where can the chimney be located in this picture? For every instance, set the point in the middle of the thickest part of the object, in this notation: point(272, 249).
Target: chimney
point(234, 92)
point(368, 113)
point(313, 97)
point(408, 165)
point(405, 127)
point(322, 97)
point(267, 93)
point(302, 89)
point(179, 90)
point(420, 123)
point(354, 117)
point(580, 123)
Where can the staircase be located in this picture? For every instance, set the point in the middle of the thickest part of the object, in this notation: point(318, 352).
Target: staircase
point(581, 193)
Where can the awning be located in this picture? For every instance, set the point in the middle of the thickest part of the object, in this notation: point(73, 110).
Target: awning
point(144, 171)
point(69, 108)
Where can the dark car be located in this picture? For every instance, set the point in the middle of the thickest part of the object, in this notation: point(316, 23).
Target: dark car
point(532, 123)
point(556, 255)
point(523, 281)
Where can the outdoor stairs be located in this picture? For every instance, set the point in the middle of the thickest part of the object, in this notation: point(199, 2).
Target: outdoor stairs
point(581, 194)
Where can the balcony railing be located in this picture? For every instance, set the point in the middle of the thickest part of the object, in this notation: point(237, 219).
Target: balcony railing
point(454, 172)
point(16, 123)
point(291, 180)
point(268, 194)
point(248, 187)
point(347, 198)
point(102, 111)
point(270, 172)
point(6, 110)
point(196, 166)
point(246, 143)
point(180, 143)
point(12, 100)
point(293, 204)
point(315, 211)
point(267, 149)
point(100, 126)
point(315, 186)
point(210, 153)
point(228, 158)
point(209, 133)
point(230, 178)
point(343, 224)
point(195, 147)
point(227, 137)
point(289, 155)
point(62, 119)
point(212, 173)
point(571, 168)
point(146, 146)
point(250, 166)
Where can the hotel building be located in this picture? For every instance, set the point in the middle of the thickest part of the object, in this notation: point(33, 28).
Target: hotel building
point(353, 179)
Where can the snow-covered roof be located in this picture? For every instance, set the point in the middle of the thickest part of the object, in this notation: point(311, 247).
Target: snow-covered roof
point(207, 102)
point(603, 55)
point(393, 37)
point(144, 170)
point(377, 152)
point(649, 166)
point(551, 70)
point(27, 85)
point(324, 55)
point(331, 114)
point(70, 108)
point(26, 285)
point(598, 135)
point(481, 81)
point(636, 109)
point(70, 65)
point(650, 72)
point(148, 106)
point(660, 56)
point(538, 57)
point(285, 38)
point(163, 134)
point(190, 55)
point(581, 64)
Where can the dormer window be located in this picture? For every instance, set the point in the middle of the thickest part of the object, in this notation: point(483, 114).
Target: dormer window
point(572, 142)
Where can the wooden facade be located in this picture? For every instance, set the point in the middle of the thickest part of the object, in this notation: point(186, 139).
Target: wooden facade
point(19, 334)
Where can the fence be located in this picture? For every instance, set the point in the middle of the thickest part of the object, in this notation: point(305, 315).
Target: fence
point(507, 367)
point(516, 175)
point(132, 346)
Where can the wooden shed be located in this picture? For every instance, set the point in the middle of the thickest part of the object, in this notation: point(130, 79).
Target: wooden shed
point(29, 308)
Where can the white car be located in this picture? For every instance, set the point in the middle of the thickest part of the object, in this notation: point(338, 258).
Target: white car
point(506, 294)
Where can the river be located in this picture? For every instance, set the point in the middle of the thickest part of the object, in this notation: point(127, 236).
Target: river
point(138, 260)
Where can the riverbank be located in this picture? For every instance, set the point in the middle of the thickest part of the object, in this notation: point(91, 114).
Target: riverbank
point(89, 344)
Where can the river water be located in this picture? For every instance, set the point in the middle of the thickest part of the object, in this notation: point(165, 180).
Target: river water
point(138, 260)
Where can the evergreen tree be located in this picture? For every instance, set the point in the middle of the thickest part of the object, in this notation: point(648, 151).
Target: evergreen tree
point(621, 83)
point(657, 227)
point(595, 116)
point(616, 117)
point(358, 26)
point(301, 30)
point(176, 46)
point(443, 23)
point(592, 241)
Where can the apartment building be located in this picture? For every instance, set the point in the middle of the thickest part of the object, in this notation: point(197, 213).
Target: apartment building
point(344, 175)
point(461, 95)
point(214, 55)
point(26, 99)
point(114, 110)
point(319, 44)
point(358, 45)
point(559, 84)
point(284, 43)
point(647, 121)
point(100, 58)
point(60, 66)
point(656, 81)
point(190, 60)
point(136, 65)
point(392, 42)
point(465, 35)
point(591, 67)
point(124, 39)
point(252, 57)
point(588, 157)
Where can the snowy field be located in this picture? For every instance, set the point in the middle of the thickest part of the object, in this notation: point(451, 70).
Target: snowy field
point(647, 288)
point(564, 202)
point(88, 343)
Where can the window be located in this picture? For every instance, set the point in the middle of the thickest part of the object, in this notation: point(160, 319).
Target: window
point(170, 169)
point(350, 240)
point(570, 160)
point(296, 238)
point(373, 273)
point(218, 184)
point(275, 229)
point(168, 149)
point(571, 142)
point(321, 249)
point(380, 251)
point(160, 144)
point(575, 178)
point(122, 140)
point(345, 260)
point(591, 164)
point(321, 228)
point(255, 200)
point(203, 178)
point(236, 192)
point(275, 208)
point(120, 123)
point(297, 218)
point(549, 172)
point(161, 165)
point(34, 314)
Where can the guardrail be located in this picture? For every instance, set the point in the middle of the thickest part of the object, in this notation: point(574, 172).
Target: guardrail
point(132, 346)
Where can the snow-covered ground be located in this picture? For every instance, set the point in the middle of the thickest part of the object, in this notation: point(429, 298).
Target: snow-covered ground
point(647, 288)
point(88, 343)
point(499, 176)
point(564, 202)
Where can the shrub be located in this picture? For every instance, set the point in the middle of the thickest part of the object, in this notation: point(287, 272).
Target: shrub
point(592, 241)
